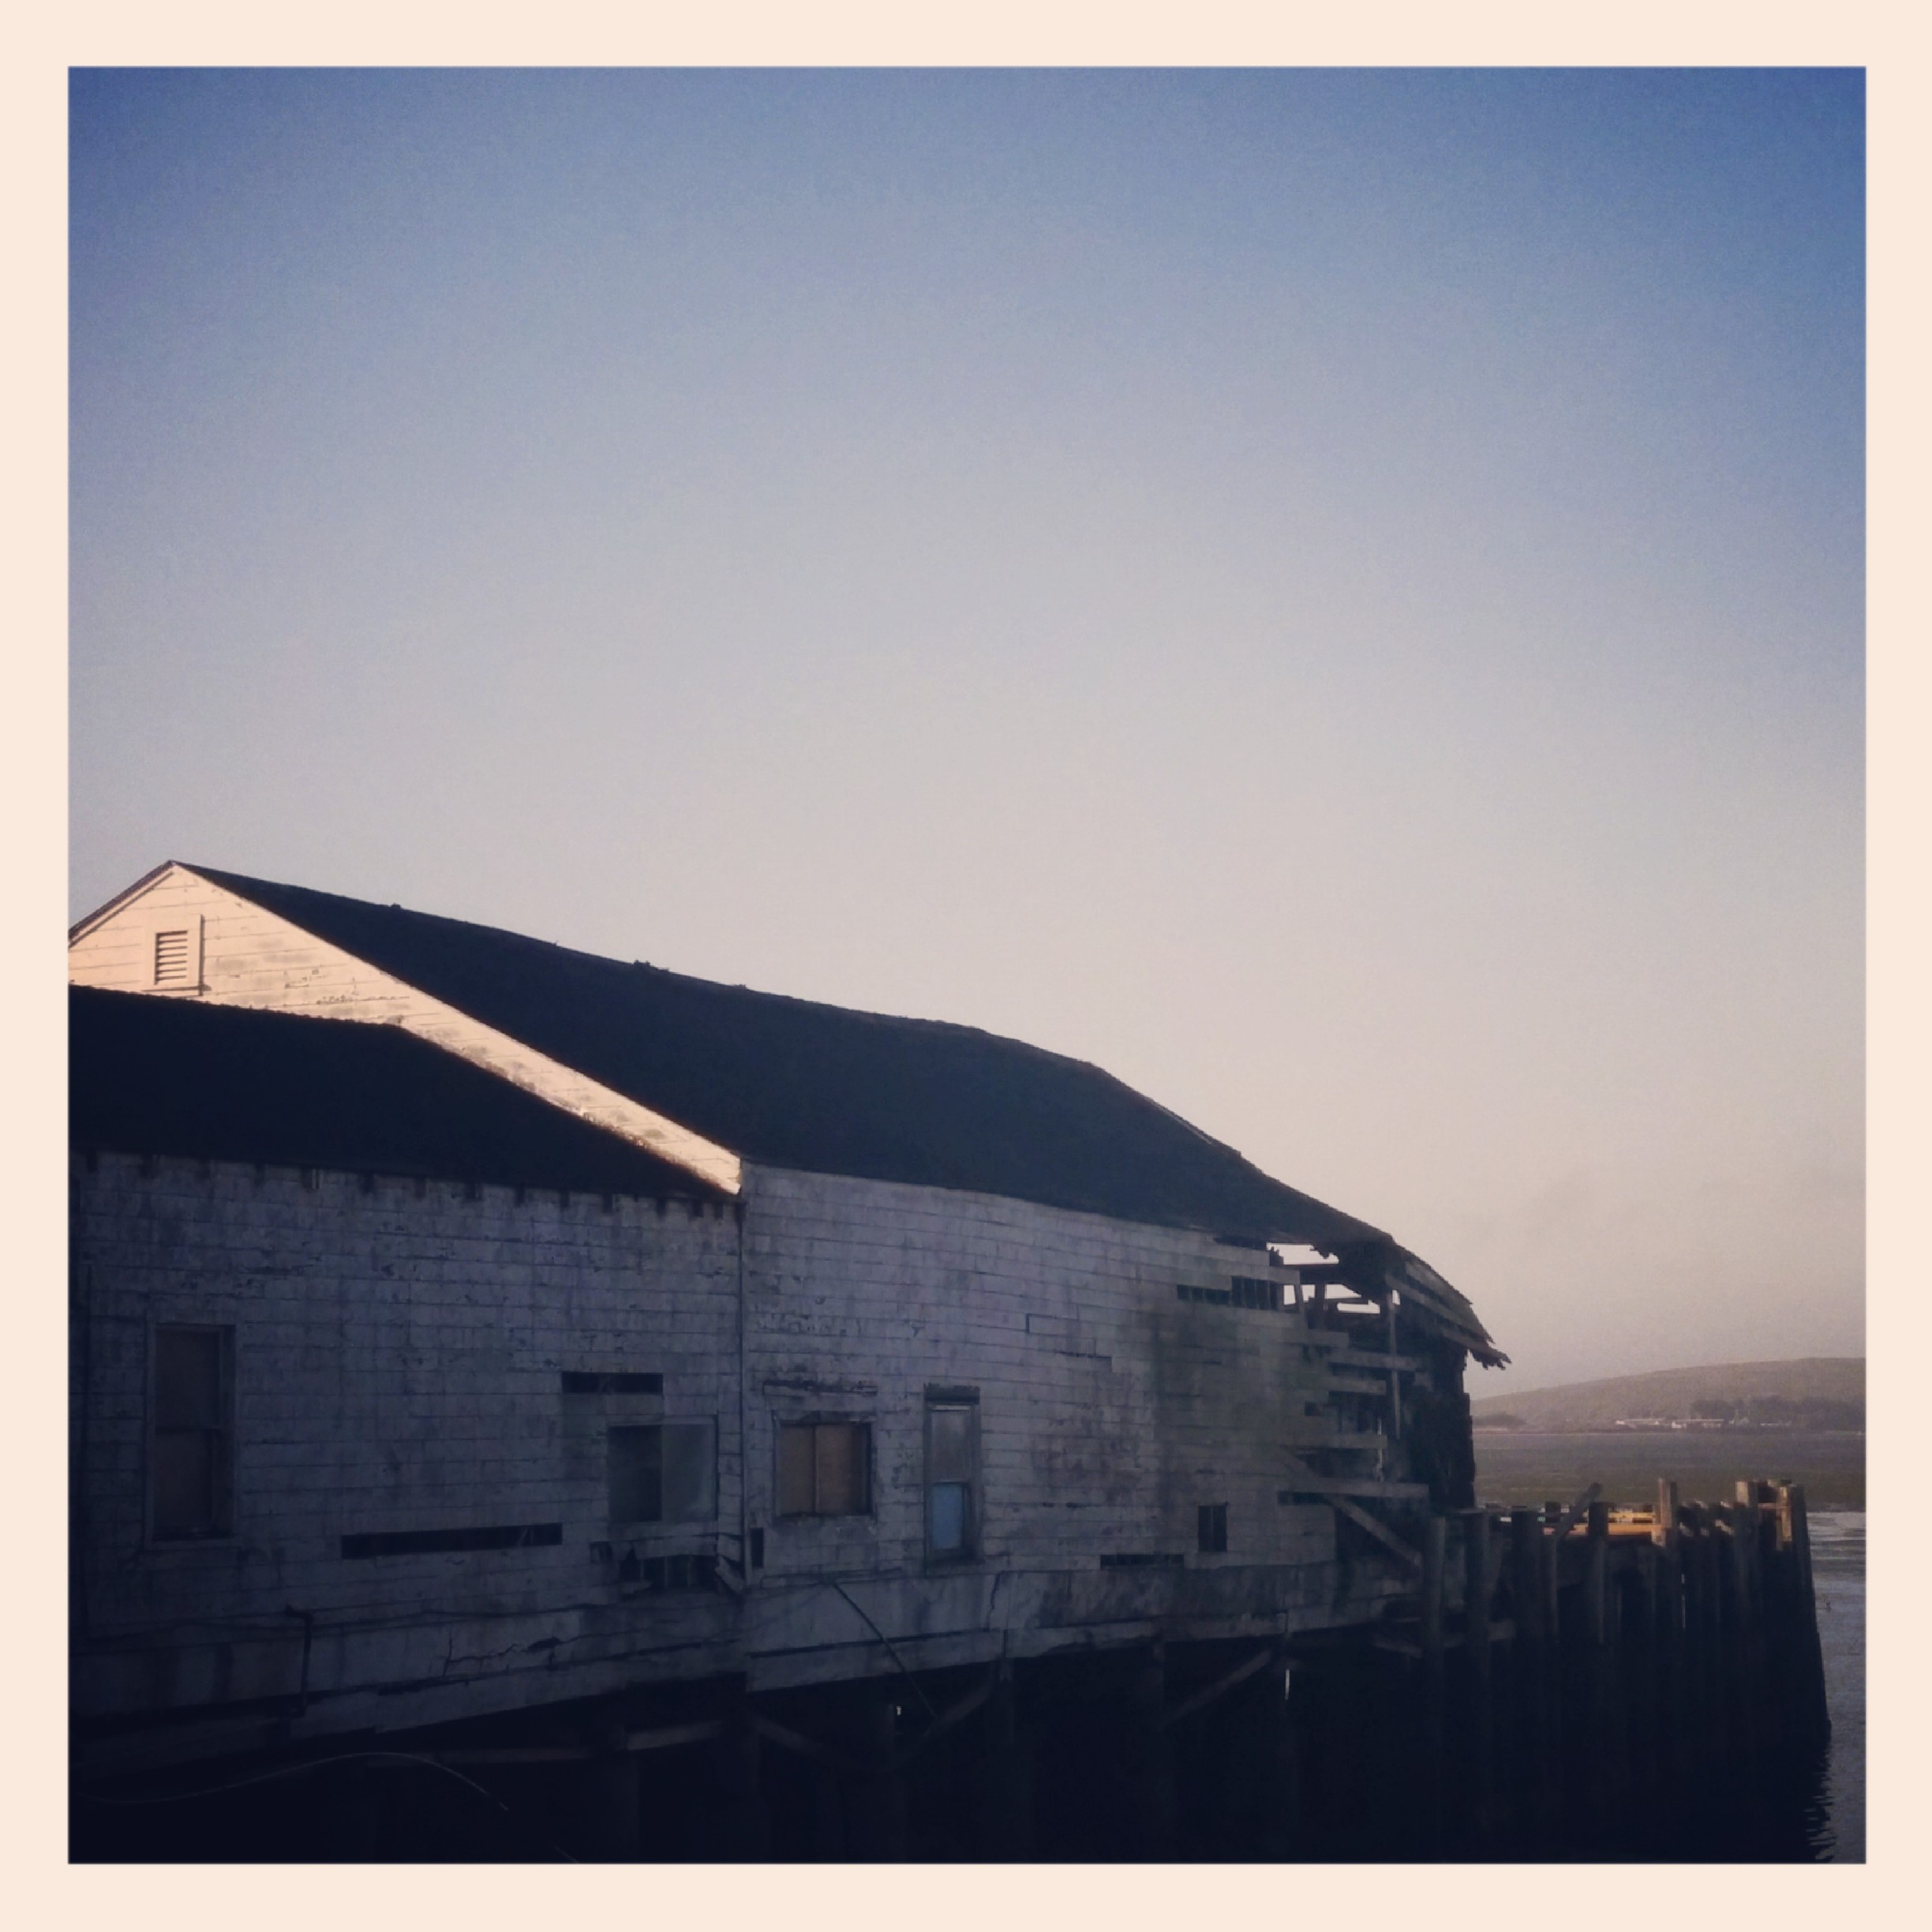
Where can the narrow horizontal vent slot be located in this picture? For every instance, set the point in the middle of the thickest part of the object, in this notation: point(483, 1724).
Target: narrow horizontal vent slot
point(592, 1382)
point(424, 1542)
point(1154, 1560)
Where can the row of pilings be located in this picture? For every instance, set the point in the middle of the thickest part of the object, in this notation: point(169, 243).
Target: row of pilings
point(1560, 1683)
point(1640, 1684)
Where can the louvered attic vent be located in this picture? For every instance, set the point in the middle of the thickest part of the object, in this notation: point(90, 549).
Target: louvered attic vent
point(170, 959)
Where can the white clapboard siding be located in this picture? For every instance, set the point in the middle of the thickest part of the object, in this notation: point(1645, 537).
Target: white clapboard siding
point(397, 1351)
point(1110, 1409)
point(249, 956)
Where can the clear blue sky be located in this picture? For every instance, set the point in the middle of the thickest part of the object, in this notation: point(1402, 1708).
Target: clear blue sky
point(1336, 595)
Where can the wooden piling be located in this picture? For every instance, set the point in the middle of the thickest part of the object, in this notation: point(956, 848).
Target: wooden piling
point(613, 1818)
point(745, 1825)
point(1005, 1784)
point(1747, 1524)
point(1532, 1756)
point(1735, 1534)
point(1808, 1690)
point(1478, 1579)
point(1644, 1757)
point(1600, 1659)
point(1152, 1794)
point(1711, 1558)
point(1435, 1548)
point(1549, 1564)
point(875, 1809)
point(1672, 1689)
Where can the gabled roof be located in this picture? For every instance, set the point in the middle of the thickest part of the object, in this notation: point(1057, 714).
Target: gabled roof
point(790, 1083)
point(159, 1076)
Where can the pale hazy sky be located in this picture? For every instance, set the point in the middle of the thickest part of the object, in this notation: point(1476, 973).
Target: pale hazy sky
point(1337, 596)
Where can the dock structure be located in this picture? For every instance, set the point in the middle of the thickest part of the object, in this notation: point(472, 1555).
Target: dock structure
point(1597, 1659)
point(1553, 1681)
point(523, 1402)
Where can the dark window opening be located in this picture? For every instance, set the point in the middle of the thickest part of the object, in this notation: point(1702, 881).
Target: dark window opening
point(663, 1472)
point(593, 1382)
point(825, 1469)
point(668, 1573)
point(191, 1446)
point(420, 1542)
point(1246, 1291)
point(1213, 1530)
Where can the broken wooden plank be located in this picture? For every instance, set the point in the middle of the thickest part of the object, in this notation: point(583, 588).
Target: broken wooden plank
point(1578, 1510)
point(1381, 1531)
point(1323, 1488)
point(1377, 1361)
point(955, 1713)
point(1502, 1630)
point(665, 1736)
point(517, 1754)
point(1220, 1687)
point(801, 1746)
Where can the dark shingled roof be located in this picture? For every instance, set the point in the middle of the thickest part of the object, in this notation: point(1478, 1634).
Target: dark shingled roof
point(793, 1083)
point(149, 1075)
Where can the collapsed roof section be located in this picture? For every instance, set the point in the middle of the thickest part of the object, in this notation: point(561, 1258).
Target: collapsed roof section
point(1377, 1270)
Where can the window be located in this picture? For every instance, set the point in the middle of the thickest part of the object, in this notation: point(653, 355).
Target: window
point(603, 1382)
point(190, 1452)
point(1213, 1532)
point(951, 1474)
point(663, 1472)
point(420, 1542)
point(825, 1469)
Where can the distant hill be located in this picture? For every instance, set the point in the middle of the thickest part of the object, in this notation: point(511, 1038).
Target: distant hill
point(1819, 1391)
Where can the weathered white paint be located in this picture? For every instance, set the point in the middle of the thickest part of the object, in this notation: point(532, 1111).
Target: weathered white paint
point(1109, 1409)
point(398, 1351)
point(252, 957)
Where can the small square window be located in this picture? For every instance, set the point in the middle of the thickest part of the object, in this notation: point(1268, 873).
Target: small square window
point(825, 1469)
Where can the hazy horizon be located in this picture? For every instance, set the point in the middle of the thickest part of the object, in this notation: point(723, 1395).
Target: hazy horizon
point(1337, 597)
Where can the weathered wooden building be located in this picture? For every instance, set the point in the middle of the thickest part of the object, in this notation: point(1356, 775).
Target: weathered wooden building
point(466, 1330)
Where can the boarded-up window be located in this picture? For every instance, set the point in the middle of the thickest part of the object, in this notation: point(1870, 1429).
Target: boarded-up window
point(663, 1472)
point(951, 1474)
point(825, 1469)
point(190, 1444)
